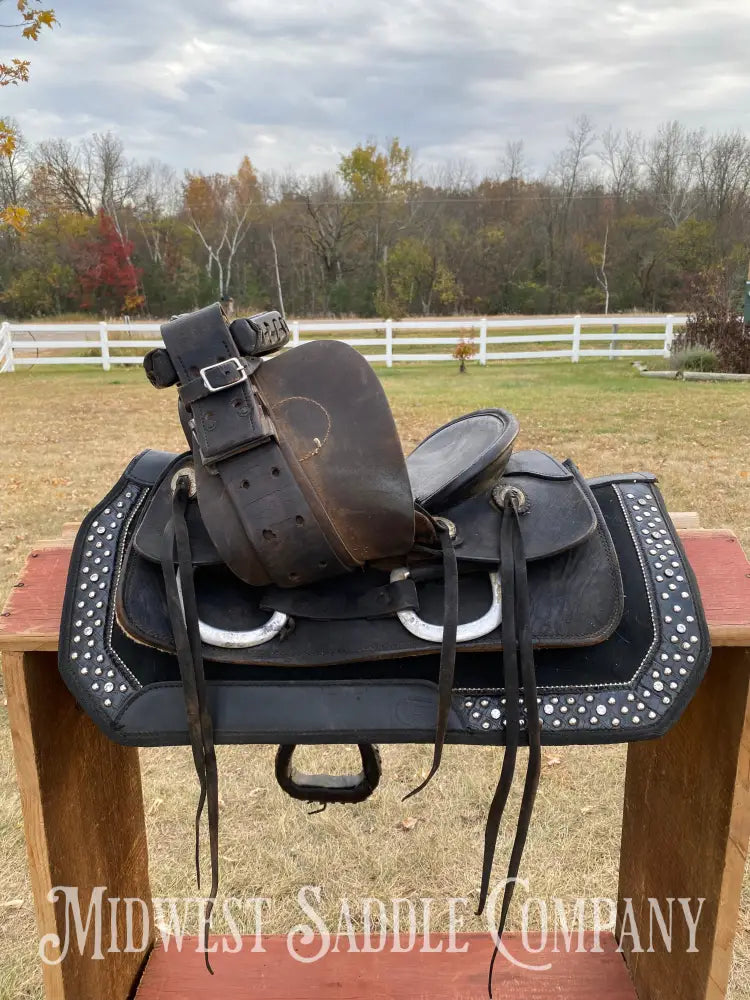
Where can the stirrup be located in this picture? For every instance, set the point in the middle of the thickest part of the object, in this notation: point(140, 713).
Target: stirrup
point(227, 639)
point(469, 630)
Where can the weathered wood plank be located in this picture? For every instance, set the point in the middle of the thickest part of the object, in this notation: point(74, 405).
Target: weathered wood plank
point(31, 618)
point(275, 975)
point(686, 824)
point(83, 818)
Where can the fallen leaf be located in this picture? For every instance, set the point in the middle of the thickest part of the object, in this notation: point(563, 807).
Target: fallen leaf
point(12, 904)
point(409, 823)
point(154, 806)
point(587, 809)
point(552, 761)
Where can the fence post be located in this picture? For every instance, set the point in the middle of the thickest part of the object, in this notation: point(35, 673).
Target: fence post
point(483, 341)
point(389, 343)
point(668, 335)
point(575, 353)
point(6, 344)
point(295, 333)
point(104, 344)
point(613, 342)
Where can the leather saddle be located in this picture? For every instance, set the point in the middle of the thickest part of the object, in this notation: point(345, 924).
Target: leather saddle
point(292, 578)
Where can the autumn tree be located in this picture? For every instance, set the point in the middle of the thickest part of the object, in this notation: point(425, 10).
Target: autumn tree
point(220, 209)
point(109, 281)
point(30, 18)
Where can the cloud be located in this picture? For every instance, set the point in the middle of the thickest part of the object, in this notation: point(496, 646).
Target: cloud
point(294, 85)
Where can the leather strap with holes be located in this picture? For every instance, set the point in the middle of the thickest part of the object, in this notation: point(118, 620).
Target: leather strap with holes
point(253, 504)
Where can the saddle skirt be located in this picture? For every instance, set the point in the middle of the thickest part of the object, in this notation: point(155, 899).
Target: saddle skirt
point(293, 579)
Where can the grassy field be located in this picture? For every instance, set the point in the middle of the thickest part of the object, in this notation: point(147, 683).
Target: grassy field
point(67, 435)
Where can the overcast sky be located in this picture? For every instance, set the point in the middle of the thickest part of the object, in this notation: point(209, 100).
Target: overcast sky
point(293, 83)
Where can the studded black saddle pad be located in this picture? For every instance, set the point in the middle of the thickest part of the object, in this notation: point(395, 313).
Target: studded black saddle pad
point(619, 634)
point(293, 579)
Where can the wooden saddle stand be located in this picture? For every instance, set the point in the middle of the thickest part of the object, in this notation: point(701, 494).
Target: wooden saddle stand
point(687, 837)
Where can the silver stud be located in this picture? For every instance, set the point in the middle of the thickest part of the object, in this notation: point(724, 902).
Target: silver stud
point(663, 657)
point(690, 659)
point(554, 700)
point(98, 671)
point(95, 686)
point(108, 702)
point(123, 687)
point(681, 628)
point(636, 719)
point(668, 619)
point(572, 721)
point(556, 723)
point(667, 700)
point(601, 710)
point(682, 671)
point(677, 608)
point(693, 639)
point(665, 596)
point(548, 710)
point(100, 531)
point(581, 709)
point(484, 702)
point(658, 686)
point(677, 657)
point(684, 595)
point(667, 671)
point(84, 670)
point(475, 715)
point(468, 704)
point(589, 697)
point(495, 713)
point(615, 722)
point(641, 706)
point(610, 701)
point(485, 725)
point(594, 720)
point(689, 618)
point(74, 656)
point(564, 709)
point(76, 638)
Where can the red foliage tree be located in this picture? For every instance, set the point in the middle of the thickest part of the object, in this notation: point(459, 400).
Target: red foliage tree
point(109, 281)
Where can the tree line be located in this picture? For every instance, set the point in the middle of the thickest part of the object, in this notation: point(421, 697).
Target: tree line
point(615, 221)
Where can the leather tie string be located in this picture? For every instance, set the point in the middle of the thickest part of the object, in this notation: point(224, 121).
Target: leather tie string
point(518, 670)
point(182, 607)
point(447, 649)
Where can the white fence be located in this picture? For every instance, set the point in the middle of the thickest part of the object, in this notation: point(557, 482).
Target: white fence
point(28, 343)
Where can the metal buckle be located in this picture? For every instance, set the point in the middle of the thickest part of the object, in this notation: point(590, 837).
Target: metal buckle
point(469, 630)
point(240, 369)
point(227, 638)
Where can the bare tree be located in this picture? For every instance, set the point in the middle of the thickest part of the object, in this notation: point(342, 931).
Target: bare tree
point(670, 162)
point(93, 174)
point(723, 173)
point(620, 155)
point(513, 165)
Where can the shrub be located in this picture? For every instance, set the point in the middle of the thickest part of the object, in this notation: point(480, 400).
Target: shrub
point(714, 323)
point(695, 359)
point(463, 351)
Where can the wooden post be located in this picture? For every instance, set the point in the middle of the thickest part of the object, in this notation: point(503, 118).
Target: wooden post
point(6, 344)
point(483, 341)
point(689, 839)
point(575, 353)
point(104, 343)
point(613, 342)
point(389, 343)
point(668, 335)
point(83, 819)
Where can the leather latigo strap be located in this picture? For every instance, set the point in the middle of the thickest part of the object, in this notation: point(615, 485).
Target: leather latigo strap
point(249, 490)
